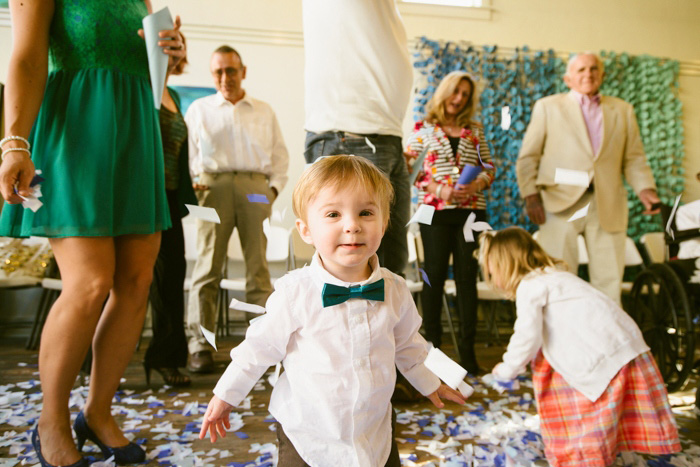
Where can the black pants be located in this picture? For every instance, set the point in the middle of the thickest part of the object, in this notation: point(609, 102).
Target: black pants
point(444, 236)
point(168, 348)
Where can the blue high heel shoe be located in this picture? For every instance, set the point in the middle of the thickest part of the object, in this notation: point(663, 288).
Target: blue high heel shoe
point(37, 448)
point(129, 454)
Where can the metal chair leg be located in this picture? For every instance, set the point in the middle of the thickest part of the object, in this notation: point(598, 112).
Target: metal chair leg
point(47, 298)
point(450, 325)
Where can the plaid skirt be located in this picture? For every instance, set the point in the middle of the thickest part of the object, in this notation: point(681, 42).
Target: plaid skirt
point(633, 414)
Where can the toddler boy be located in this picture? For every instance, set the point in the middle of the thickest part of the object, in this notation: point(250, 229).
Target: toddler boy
point(340, 326)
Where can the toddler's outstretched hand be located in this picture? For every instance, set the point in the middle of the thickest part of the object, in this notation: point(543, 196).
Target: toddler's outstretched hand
point(216, 419)
point(445, 392)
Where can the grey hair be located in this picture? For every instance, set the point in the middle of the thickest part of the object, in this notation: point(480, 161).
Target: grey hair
point(574, 57)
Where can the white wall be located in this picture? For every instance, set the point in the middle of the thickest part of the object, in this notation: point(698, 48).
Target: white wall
point(268, 33)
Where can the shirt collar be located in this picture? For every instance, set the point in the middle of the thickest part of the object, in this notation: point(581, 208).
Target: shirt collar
point(584, 99)
point(219, 99)
point(322, 276)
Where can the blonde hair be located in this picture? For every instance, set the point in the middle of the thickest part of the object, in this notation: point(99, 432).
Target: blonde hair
point(342, 171)
point(512, 253)
point(436, 106)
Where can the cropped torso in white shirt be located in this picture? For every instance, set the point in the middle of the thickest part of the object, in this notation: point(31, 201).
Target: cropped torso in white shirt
point(584, 335)
point(226, 137)
point(357, 72)
point(334, 397)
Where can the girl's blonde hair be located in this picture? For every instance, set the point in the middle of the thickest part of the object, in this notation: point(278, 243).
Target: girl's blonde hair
point(512, 253)
point(436, 106)
point(342, 171)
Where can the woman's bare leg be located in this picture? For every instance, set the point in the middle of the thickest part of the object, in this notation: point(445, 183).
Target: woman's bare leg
point(87, 268)
point(118, 330)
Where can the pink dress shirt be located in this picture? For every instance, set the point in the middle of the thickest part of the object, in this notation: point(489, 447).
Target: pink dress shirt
point(593, 116)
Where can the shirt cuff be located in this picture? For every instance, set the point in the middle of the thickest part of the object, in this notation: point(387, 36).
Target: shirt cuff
point(503, 372)
point(422, 379)
point(234, 385)
point(525, 192)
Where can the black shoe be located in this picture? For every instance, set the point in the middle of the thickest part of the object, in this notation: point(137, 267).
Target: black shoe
point(37, 448)
point(171, 376)
point(132, 453)
point(201, 362)
point(467, 357)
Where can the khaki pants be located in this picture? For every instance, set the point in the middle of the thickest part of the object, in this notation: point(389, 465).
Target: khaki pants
point(227, 194)
point(606, 250)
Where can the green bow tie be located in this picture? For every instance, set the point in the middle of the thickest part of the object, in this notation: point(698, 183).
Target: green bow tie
point(335, 294)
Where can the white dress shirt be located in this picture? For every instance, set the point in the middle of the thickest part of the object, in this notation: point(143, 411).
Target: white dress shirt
point(226, 137)
point(334, 397)
point(357, 72)
point(584, 335)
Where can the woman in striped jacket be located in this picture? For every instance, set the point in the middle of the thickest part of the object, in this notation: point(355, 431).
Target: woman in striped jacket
point(452, 141)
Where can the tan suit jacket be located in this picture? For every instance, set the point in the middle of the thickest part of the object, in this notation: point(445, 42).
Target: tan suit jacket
point(557, 137)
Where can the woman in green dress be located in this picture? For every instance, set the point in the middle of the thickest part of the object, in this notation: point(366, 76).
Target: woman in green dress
point(78, 80)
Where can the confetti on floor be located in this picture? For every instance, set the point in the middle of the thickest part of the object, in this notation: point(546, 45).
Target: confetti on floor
point(493, 429)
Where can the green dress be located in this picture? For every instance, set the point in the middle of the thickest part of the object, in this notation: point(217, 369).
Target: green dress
point(96, 139)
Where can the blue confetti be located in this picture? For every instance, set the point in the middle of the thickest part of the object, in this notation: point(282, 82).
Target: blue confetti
point(256, 198)
point(424, 275)
point(241, 435)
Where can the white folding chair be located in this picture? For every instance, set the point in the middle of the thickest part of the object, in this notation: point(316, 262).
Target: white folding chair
point(300, 252)
point(189, 230)
point(581, 244)
point(414, 280)
point(450, 288)
point(276, 253)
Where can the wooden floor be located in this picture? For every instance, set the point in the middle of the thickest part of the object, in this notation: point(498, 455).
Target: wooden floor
point(172, 413)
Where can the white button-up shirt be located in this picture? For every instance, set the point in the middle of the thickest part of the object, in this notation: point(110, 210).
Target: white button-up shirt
point(226, 137)
point(334, 397)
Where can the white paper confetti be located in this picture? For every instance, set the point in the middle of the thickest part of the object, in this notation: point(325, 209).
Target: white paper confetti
point(204, 213)
point(571, 177)
point(209, 336)
point(581, 213)
point(423, 215)
point(472, 225)
point(249, 307)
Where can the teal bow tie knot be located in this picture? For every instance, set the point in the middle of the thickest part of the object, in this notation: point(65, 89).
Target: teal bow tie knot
point(335, 294)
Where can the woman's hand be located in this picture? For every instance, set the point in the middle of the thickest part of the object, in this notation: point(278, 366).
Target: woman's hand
point(173, 45)
point(216, 419)
point(16, 170)
point(445, 392)
point(462, 193)
point(410, 158)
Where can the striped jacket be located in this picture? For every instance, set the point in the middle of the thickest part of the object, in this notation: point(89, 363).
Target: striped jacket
point(443, 166)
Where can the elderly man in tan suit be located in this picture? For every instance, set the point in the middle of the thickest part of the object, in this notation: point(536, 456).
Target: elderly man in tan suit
point(596, 136)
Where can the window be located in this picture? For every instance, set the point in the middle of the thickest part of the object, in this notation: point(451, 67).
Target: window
point(465, 3)
point(453, 9)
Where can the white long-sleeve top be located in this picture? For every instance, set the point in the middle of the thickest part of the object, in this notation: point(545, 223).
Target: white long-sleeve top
point(245, 136)
point(334, 397)
point(357, 71)
point(584, 335)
